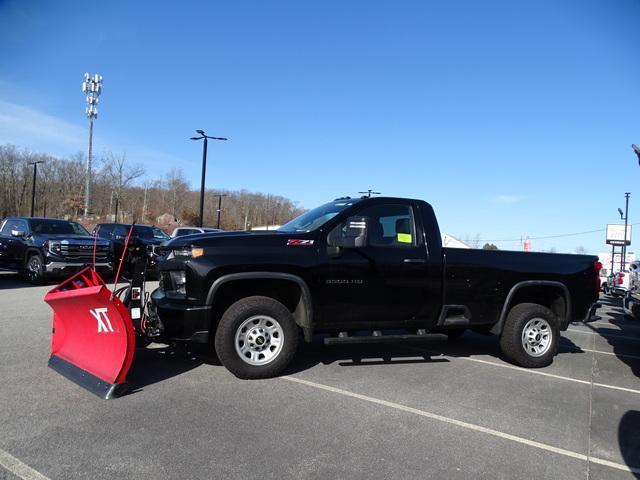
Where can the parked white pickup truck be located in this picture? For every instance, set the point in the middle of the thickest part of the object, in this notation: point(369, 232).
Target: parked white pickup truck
point(631, 300)
point(618, 283)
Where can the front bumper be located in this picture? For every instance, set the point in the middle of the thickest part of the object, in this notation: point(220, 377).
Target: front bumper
point(64, 268)
point(181, 320)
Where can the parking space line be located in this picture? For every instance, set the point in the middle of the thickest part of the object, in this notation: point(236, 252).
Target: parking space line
point(528, 370)
point(626, 325)
point(18, 468)
point(626, 355)
point(466, 425)
point(603, 334)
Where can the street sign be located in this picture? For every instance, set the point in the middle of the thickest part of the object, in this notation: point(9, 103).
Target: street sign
point(615, 234)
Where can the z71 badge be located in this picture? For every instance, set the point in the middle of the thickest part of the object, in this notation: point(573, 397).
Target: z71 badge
point(305, 243)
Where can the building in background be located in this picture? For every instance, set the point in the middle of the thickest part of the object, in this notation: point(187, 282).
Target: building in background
point(452, 242)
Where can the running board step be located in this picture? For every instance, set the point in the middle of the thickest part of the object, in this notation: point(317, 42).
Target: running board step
point(377, 337)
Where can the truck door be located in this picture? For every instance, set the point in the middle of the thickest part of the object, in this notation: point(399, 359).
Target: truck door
point(385, 283)
point(12, 248)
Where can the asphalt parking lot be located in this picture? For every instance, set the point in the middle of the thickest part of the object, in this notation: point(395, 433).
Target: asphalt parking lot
point(441, 410)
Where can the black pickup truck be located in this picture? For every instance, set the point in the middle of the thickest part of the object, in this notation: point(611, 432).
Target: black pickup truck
point(361, 270)
point(49, 247)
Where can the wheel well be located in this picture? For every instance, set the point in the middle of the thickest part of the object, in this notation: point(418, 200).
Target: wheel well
point(287, 292)
point(29, 254)
point(551, 296)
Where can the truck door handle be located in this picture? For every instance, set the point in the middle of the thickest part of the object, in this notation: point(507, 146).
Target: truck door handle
point(414, 260)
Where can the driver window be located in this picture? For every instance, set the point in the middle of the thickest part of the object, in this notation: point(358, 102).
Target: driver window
point(390, 226)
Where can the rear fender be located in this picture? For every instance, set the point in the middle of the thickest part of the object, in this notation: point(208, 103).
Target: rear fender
point(518, 287)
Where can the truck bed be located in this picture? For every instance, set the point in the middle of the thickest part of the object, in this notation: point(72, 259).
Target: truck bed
point(482, 279)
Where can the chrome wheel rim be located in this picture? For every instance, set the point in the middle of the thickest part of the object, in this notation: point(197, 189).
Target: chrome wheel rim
point(34, 268)
point(537, 337)
point(259, 340)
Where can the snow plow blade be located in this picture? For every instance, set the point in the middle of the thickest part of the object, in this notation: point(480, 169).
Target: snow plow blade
point(93, 340)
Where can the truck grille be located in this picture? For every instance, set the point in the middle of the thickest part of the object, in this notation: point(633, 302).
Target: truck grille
point(83, 251)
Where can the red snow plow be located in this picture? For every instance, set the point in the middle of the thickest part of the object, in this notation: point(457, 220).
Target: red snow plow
point(93, 340)
point(94, 330)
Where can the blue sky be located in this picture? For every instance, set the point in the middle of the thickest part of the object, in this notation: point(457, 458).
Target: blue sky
point(511, 118)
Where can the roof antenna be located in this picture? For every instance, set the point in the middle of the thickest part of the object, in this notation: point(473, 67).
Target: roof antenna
point(368, 193)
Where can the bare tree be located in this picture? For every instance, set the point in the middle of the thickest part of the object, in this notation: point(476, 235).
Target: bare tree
point(120, 175)
point(60, 193)
point(177, 186)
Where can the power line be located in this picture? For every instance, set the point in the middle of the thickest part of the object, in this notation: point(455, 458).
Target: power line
point(549, 236)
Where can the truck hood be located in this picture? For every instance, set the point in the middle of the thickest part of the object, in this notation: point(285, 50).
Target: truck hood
point(219, 238)
point(150, 241)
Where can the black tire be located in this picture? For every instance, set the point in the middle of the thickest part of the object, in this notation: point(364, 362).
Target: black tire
point(237, 324)
point(35, 269)
point(512, 343)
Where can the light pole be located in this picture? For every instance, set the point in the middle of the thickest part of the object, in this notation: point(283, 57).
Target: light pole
point(220, 195)
point(626, 220)
point(636, 149)
point(204, 168)
point(92, 86)
point(33, 186)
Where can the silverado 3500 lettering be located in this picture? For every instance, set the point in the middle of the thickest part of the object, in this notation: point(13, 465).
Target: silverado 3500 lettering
point(363, 265)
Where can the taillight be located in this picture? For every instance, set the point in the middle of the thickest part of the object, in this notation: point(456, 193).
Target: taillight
point(620, 278)
point(598, 266)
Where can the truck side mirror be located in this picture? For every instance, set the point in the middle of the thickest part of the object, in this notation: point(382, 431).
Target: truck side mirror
point(349, 234)
point(17, 233)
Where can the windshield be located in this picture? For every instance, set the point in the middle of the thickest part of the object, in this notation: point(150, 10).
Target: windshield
point(57, 227)
point(317, 217)
point(151, 232)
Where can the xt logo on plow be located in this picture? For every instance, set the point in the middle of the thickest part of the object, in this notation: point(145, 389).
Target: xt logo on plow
point(104, 324)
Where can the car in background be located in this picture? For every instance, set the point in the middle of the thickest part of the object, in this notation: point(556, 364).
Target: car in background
point(183, 231)
point(604, 280)
point(148, 236)
point(618, 283)
point(44, 248)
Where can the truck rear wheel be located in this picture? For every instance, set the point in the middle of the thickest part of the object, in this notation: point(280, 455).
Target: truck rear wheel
point(530, 335)
point(256, 338)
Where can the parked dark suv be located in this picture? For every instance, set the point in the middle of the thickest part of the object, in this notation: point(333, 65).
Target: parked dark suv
point(146, 235)
point(49, 247)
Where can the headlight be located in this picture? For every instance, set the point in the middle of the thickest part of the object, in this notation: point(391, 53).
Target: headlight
point(186, 252)
point(54, 247)
point(179, 281)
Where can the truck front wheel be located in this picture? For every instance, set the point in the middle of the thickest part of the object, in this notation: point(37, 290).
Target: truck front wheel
point(256, 338)
point(35, 269)
point(530, 335)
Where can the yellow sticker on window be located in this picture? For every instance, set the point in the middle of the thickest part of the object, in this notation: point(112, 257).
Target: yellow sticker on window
point(405, 238)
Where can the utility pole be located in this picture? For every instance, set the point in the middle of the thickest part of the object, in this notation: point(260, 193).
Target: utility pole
point(613, 256)
point(626, 221)
point(220, 195)
point(33, 186)
point(204, 168)
point(92, 86)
